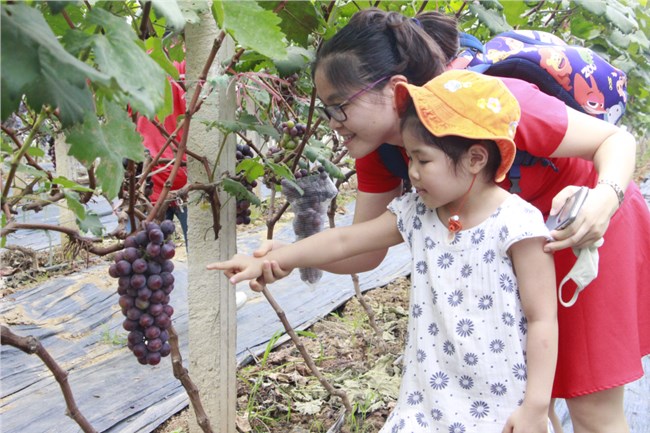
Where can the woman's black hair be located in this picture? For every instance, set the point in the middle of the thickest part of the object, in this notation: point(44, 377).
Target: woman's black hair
point(376, 44)
point(452, 146)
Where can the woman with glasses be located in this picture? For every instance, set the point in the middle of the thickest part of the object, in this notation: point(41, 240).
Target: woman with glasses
point(604, 335)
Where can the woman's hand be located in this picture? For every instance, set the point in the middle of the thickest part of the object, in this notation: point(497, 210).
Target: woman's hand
point(592, 220)
point(271, 271)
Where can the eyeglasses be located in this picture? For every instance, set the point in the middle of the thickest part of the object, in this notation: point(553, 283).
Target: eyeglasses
point(328, 112)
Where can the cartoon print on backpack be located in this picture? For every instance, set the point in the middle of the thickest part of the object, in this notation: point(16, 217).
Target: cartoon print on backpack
point(556, 63)
point(590, 98)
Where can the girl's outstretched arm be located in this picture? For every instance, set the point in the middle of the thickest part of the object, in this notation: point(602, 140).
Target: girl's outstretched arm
point(535, 271)
point(324, 247)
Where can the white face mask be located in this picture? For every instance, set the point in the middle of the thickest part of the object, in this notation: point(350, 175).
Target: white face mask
point(583, 272)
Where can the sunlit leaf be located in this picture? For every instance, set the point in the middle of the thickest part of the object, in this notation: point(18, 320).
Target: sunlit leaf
point(110, 142)
point(172, 13)
point(120, 54)
point(35, 63)
point(299, 19)
point(251, 167)
point(253, 27)
point(492, 17)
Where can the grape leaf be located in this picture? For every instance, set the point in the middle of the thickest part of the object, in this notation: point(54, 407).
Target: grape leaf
point(491, 17)
point(252, 27)
point(299, 19)
point(172, 13)
point(121, 55)
point(72, 200)
point(91, 223)
point(70, 184)
point(238, 190)
point(35, 63)
point(109, 142)
point(251, 167)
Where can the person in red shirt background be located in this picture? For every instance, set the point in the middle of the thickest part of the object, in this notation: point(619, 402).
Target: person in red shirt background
point(153, 141)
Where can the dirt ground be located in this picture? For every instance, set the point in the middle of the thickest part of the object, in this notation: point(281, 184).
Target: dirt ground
point(278, 393)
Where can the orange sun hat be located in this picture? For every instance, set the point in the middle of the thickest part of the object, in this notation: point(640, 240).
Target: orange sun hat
point(466, 104)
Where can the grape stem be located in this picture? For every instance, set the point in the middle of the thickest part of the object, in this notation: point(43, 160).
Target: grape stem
point(183, 376)
point(31, 345)
point(301, 348)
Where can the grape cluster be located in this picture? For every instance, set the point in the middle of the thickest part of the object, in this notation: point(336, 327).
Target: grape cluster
point(292, 130)
point(144, 282)
point(287, 88)
point(243, 205)
point(310, 209)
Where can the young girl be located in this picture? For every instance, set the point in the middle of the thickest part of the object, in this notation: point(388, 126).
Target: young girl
point(604, 335)
point(482, 340)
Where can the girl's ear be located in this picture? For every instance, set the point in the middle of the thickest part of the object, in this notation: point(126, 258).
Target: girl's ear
point(477, 157)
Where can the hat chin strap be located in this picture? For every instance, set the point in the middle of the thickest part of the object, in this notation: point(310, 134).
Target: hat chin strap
point(453, 224)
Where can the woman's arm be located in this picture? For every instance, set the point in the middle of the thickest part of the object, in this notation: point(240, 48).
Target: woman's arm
point(535, 271)
point(613, 152)
point(314, 251)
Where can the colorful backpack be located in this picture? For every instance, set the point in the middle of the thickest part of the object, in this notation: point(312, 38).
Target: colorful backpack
point(576, 75)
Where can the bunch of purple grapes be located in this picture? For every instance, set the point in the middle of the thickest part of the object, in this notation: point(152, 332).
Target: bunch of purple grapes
point(144, 282)
point(243, 205)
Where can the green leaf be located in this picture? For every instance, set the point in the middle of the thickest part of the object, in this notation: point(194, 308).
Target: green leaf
point(156, 52)
point(35, 152)
point(172, 13)
point(238, 190)
point(596, 7)
point(296, 60)
point(253, 27)
point(109, 142)
point(35, 63)
point(120, 54)
point(620, 20)
point(70, 184)
point(299, 19)
point(492, 17)
point(251, 167)
point(72, 200)
point(514, 11)
point(280, 170)
point(91, 223)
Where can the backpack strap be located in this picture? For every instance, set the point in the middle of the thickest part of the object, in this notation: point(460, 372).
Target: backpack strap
point(526, 159)
point(393, 160)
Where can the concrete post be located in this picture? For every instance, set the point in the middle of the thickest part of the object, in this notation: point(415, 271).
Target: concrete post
point(211, 299)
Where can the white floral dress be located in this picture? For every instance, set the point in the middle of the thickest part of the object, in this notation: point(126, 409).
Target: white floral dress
point(464, 362)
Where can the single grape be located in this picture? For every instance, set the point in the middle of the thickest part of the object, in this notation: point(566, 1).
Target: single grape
point(141, 304)
point(155, 308)
point(113, 271)
point(154, 282)
point(139, 266)
point(153, 358)
point(152, 332)
point(168, 310)
point(167, 289)
point(126, 301)
point(131, 254)
point(153, 268)
point(167, 278)
point(130, 242)
point(165, 350)
point(142, 238)
point(153, 250)
point(135, 337)
point(164, 335)
point(123, 267)
point(138, 281)
point(154, 345)
point(162, 321)
point(157, 296)
point(146, 320)
point(140, 350)
point(167, 250)
point(167, 227)
point(143, 360)
point(144, 294)
point(156, 236)
point(167, 266)
point(129, 325)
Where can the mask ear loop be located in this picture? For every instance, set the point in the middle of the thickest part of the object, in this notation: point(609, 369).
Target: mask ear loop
point(453, 224)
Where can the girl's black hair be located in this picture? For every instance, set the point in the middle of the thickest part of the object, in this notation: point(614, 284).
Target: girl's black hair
point(376, 44)
point(452, 146)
